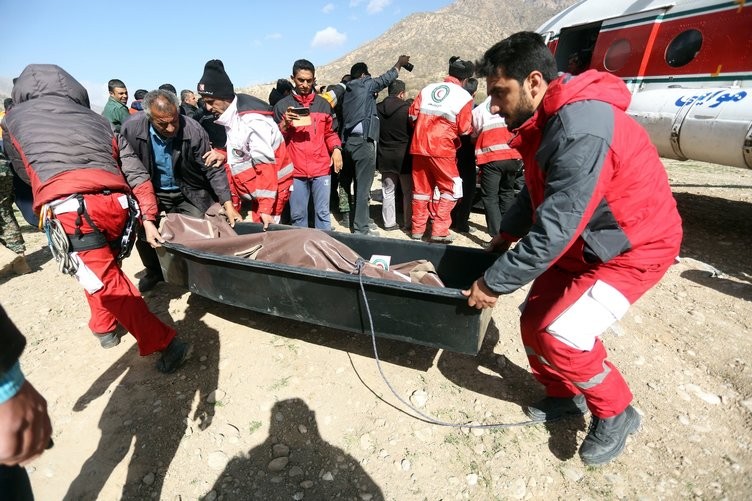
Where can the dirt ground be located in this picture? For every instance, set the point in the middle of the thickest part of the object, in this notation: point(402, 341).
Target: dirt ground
point(273, 409)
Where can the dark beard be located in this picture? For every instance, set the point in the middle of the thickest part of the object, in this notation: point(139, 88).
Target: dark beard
point(521, 116)
point(522, 113)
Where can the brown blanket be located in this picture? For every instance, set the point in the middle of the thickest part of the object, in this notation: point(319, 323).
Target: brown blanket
point(301, 247)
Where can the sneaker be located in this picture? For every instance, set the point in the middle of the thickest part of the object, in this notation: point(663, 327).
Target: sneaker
point(393, 227)
point(416, 236)
point(553, 408)
point(108, 340)
point(175, 355)
point(607, 437)
point(149, 281)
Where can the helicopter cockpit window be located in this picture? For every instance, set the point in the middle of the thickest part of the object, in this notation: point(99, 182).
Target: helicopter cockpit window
point(617, 55)
point(683, 48)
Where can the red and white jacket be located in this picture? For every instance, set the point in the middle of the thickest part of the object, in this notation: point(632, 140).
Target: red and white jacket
point(442, 113)
point(254, 147)
point(491, 136)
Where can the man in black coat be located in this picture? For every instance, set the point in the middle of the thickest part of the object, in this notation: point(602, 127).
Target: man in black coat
point(393, 157)
point(171, 146)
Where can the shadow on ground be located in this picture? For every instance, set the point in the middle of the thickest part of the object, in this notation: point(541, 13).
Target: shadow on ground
point(718, 232)
point(134, 414)
point(494, 375)
point(294, 462)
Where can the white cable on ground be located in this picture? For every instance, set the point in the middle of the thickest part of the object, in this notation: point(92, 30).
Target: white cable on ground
point(360, 264)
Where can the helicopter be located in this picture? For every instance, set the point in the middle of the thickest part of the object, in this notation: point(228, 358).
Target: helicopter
point(687, 63)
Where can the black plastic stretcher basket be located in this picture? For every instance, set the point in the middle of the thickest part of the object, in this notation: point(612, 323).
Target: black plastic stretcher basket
point(416, 313)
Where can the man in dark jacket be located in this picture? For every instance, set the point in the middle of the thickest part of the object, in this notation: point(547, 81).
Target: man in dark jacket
point(83, 177)
point(393, 160)
point(597, 227)
point(282, 89)
point(360, 132)
point(25, 427)
point(171, 147)
point(188, 106)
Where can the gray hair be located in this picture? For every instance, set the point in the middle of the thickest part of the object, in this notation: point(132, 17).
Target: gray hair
point(154, 96)
point(184, 94)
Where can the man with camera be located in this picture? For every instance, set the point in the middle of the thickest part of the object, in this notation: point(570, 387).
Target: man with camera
point(360, 132)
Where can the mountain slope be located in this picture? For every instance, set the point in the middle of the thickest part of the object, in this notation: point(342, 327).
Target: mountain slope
point(466, 29)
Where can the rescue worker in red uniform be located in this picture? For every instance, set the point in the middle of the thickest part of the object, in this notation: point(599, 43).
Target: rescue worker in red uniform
point(500, 166)
point(442, 113)
point(596, 227)
point(255, 149)
point(84, 177)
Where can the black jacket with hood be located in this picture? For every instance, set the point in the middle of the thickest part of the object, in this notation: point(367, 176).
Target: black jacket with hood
point(201, 185)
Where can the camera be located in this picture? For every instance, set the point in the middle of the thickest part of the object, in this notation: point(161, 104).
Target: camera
point(408, 66)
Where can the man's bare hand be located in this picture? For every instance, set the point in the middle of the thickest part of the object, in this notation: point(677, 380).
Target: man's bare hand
point(337, 160)
point(290, 116)
point(25, 427)
point(153, 237)
point(215, 158)
point(498, 244)
point(480, 296)
point(231, 214)
point(267, 219)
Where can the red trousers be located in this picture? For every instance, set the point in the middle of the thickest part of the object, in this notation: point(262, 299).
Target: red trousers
point(427, 173)
point(118, 300)
point(566, 371)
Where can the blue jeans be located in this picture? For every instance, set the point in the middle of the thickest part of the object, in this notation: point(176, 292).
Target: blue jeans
point(305, 188)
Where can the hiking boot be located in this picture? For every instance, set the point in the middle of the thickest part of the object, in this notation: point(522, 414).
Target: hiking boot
point(149, 281)
point(606, 437)
point(553, 408)
point(447, 239)
point(175, 355)
point(108, 340)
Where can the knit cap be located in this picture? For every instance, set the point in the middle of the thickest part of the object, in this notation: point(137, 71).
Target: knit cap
point(215, 82)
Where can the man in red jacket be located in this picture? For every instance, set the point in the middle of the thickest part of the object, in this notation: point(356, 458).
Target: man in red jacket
point(305, 119)
point(84, 190)
point(596, 227)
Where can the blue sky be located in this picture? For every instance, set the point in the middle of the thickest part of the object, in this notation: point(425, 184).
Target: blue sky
point(148, 43)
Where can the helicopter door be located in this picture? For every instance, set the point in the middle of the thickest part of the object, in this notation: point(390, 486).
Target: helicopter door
point(574, 50)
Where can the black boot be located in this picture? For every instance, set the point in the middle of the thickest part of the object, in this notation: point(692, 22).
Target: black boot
point(553, 408)
point(150, 280)
point(175, 355)
point(606, 437)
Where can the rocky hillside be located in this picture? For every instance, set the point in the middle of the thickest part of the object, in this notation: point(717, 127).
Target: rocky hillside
point(466, 29)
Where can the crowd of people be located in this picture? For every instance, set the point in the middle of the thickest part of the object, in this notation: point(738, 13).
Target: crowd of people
point(594, 222)
point(326, 160)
